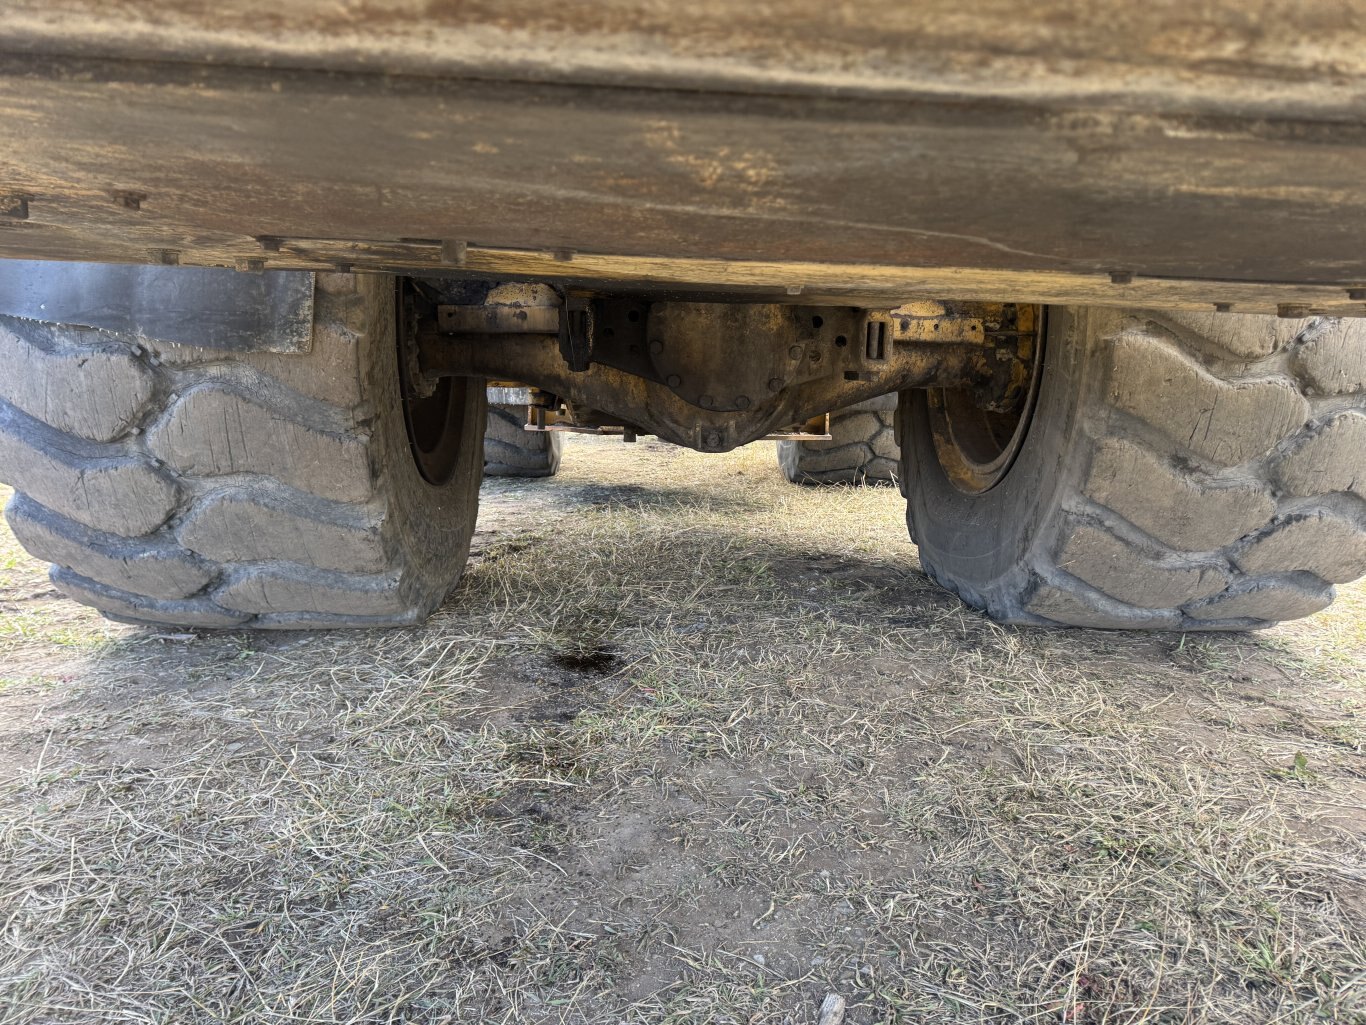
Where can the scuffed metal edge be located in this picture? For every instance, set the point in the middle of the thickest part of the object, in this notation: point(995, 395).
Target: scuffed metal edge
point(207, 307)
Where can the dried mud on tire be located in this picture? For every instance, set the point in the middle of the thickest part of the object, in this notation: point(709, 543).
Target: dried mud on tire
point(195, 488)
point(1182, 471)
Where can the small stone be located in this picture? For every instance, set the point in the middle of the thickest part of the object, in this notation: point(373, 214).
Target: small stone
point(832, 1010)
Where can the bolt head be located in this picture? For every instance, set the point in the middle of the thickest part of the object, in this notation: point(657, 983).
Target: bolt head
point(776, 384)
point(706, 401)
point(673, 380)
point(795, 352)
point(656, 347)
point(15, 206)
point(742, 402)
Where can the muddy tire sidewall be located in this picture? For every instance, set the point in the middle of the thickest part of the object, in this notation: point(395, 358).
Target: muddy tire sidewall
point(978, 544)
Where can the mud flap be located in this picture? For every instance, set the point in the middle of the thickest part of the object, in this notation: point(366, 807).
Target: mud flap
point(211, 307)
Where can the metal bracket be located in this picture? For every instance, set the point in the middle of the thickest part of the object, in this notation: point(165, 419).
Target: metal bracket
point(815, 429)
point(576, 334)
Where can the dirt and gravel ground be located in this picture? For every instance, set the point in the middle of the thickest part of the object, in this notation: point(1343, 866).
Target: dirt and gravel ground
point(689, 744)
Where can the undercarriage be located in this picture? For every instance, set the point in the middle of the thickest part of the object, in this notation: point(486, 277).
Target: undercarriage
point(1086, 280)
point(707, 375)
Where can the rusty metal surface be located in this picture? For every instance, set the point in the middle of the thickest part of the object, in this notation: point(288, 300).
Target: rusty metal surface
point(655, 408)
point(1060, 152)
point(815, 429)
point(499, 319)
point(800, 362)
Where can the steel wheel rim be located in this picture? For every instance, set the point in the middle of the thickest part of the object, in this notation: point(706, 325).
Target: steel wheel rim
point(975, 446)
point(432, 415)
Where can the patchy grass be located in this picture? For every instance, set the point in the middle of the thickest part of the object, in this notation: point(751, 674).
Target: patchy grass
point(689, 744)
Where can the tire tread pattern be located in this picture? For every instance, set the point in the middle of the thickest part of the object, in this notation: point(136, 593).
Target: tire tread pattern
point(1226, 462)
point(862, 450)
point(512, 451)
point(195, 431)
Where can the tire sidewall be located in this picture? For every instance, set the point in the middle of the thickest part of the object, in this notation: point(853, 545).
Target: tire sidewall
point(980, 545)
point(431, 524)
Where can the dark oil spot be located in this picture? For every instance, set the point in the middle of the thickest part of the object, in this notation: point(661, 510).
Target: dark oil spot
point(596, 660)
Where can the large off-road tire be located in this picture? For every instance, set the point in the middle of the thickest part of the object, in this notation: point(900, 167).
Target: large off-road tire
point(201, 488)
point(512, 451)
point(1179, 471)
point(862, 448)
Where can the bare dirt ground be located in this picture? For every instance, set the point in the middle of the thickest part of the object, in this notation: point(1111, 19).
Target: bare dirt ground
point(689, 744)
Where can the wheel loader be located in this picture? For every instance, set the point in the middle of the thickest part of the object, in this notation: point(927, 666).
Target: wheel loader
point(1093, 275)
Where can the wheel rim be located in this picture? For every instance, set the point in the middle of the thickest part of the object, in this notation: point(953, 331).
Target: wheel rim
point(432, 414)
point(975, 445)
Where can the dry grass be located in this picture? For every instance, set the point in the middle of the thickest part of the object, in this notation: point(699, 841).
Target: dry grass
point(688, 745)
